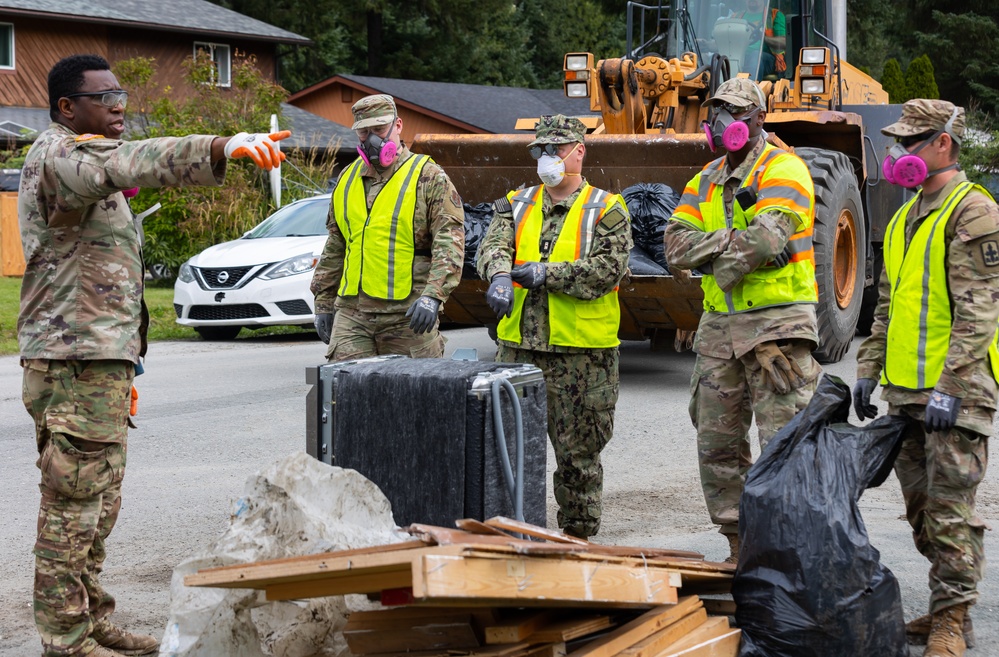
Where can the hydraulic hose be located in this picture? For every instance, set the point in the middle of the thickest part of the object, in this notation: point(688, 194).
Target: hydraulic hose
point(514, 484)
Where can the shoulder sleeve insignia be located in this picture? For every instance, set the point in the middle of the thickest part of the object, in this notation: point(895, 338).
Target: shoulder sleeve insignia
point(502, 204)
point(990, 253)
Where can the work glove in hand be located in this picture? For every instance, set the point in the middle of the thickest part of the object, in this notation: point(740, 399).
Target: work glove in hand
point(424, 314)
point(941, 412)
point(324, 326)
point(529, 274)
point(862, 405)
point(782, 258)
point(500, 295)
point(782, 373)
point(262, 148)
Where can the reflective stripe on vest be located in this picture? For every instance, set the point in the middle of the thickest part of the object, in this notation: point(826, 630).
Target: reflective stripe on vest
point(379, 243)
point(572, 322)
point(782, 182)
point(919, 314)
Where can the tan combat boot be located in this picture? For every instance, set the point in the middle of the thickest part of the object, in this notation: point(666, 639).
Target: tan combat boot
point(946, 639)
point(733, 547)
point(916, 631)
point(121, 642)
point(101, 651)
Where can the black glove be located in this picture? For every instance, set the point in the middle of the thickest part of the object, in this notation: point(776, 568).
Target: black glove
point(529, 274)
point(862, 405)
point(324, 326)
point(424, 314)
point(941, 412)
point(782, 258)
point(500, 295)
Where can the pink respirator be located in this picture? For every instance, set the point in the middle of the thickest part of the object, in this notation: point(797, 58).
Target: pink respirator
point(129, 193)
point(728, 132)
point(900, 167)
point(376, 148)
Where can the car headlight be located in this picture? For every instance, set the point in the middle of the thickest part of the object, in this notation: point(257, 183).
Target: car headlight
point(291, 266)
point(186, 273)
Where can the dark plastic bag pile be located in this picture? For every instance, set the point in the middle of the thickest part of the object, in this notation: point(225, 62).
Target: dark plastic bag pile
point(650, 206)
point(809, 583)
point(477, 218)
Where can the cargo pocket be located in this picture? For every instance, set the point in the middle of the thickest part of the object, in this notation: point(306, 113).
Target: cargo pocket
point(970, 457)
point(695, 381)
point(78, 474)
point(601, 398)
point(432, 349)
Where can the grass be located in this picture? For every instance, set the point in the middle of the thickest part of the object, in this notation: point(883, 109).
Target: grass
point(162, 325)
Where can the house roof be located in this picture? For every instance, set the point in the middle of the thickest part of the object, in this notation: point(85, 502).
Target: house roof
point(189, 16)
point(491, 109)
point(308, 131)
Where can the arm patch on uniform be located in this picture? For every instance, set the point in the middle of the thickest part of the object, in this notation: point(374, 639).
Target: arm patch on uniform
point(610, 221)
point(988, 254)
point(502, 204)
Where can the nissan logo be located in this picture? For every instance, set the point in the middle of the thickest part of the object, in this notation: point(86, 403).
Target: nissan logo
point(223, 276)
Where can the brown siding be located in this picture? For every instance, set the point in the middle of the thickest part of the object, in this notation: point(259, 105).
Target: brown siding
point(38, 45)
point(333, 102)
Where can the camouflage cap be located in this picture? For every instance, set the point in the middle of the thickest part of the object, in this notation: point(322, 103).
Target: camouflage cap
point(558, 129)
point(373, 111)
point(921, 115)
point(741, 92)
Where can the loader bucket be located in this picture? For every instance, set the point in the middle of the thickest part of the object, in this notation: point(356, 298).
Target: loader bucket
point(486, 167)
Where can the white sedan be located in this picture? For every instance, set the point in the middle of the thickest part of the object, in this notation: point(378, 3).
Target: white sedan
point(261, 279)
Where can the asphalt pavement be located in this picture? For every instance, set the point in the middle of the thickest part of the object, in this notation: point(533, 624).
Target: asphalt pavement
point(212, 414)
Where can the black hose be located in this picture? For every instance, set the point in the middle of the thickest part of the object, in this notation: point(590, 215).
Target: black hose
point(515, 485)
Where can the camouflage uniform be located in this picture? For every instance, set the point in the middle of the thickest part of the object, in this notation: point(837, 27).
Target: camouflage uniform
point(81, 330)
point(728, 386)
point(940, 471)
point(365, 326)
point(582, 383)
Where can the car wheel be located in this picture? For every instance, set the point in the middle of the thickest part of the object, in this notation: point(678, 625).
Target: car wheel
point(218, 333)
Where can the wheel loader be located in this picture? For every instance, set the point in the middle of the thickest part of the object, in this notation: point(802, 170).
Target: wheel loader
point(646, 125)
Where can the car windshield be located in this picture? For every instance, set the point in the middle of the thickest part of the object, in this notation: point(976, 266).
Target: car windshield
point(301, 219)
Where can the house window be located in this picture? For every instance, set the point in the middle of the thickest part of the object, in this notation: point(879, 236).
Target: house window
point(6, 45)
point(219, 52)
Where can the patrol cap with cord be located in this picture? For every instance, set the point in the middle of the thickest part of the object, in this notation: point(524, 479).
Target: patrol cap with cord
point(740, 93)
point(373, 111)
point(558, 129)
point(923, 116)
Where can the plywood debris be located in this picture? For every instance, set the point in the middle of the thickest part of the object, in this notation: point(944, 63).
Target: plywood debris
point(485, 591)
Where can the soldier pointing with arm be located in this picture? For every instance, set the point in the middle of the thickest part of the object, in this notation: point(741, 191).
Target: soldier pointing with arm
point(82, 331)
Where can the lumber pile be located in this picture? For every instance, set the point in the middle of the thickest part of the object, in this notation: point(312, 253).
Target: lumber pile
point(487, 590)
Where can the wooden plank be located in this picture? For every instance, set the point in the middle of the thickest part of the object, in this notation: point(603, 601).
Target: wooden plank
point(510, 525)
point(541, 579)
point(717, 607)
point(455, 633)
point(374, 619)
point(547, 650)
point(726, 645)
point(631, 633)
point(654, 643)
point(714, 626)
point(473, 526)
point(11, 250)
point(572, 628)
point(519, 627)
point(341, 584)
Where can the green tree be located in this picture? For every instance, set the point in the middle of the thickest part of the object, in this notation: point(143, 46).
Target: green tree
point(980, 149)
point(970, 41)
point(893, 82)
point(919, 79)
point(194, 218)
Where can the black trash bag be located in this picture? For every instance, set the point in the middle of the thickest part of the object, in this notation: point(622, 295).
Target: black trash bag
point(650, 206)
point(808, 582)
point(477, 218)
point(641, 263)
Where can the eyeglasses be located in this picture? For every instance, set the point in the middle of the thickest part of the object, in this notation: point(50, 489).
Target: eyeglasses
point(912, 140)
point(109, 99)
point(544, 149)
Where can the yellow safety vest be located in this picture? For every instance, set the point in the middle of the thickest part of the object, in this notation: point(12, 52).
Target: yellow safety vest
point(572, 322)
point(782, 182)
point(919, 316)
point(380, 242)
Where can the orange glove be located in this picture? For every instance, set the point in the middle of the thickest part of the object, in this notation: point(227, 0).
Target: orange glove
point(133, 408)
point(262, 148)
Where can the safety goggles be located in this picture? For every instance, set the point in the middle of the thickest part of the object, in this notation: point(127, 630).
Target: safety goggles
point(110, 99)
point(911, 140)
point(538, 150)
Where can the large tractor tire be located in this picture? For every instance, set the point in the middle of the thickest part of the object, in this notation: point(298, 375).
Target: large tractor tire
point(839, 238)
